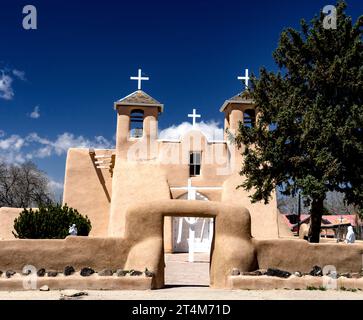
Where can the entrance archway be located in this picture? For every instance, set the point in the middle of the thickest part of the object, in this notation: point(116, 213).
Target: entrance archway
point(232, 245)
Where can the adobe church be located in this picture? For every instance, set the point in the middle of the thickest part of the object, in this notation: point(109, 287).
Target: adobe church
point(102, 183)
point(137, 198)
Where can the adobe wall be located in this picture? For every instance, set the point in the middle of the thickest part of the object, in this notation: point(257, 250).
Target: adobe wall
point(300, 255)
point(134, 182)
point(7, 217)
point(93, 282)
point(264, 217)
point(143, 247)
point(55, 254)
point(88, 189)
point(293, 283)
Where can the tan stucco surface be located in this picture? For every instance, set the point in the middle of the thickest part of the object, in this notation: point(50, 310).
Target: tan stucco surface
point(142, 181)
point(300, 255)
point(7, 217)
point(93, 282)
point(293, 282)
point(88, 189)
point(79, 252)
point(264, 217)
point(133, 183)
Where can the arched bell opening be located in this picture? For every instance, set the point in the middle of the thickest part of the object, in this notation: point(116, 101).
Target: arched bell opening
point(249, 118)
point(136, 123)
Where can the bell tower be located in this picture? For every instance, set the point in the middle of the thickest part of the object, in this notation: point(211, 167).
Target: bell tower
point(238, 109)
point(136, 137)
point(137, 118)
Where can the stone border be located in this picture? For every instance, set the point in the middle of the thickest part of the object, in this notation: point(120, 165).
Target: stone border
point(93, 282)
point(293, 282)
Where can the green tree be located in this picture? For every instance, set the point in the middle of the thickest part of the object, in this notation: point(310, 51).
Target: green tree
point(309, 131)
point(50, 222)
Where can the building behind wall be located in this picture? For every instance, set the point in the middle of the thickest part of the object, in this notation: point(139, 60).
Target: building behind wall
point(142, 167)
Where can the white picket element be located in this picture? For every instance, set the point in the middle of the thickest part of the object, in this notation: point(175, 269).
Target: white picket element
point(103, 156)
point(195, 242)
point(104, 161)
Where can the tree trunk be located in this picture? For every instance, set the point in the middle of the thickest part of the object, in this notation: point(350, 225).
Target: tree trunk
point(317, 209)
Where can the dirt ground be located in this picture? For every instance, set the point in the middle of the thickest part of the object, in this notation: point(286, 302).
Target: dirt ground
point(188, 293)
point(187, 281)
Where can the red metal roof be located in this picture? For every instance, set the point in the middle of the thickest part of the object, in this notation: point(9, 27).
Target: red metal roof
point(333, 219)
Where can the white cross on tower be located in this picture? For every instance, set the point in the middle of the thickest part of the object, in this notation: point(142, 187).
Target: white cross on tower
point(245, 78)
point(194, 116)
point(139, 78)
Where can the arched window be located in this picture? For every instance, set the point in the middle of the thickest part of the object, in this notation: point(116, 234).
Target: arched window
point(249, 118)
point(136, 123)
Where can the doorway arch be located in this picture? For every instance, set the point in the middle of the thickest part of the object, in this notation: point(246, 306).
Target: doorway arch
point(232, 245)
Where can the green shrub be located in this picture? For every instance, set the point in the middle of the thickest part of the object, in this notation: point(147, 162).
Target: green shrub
point(50, 222)
point(311, 288)
point(349, 289)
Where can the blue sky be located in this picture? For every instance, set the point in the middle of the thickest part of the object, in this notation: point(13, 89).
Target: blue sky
point(79, 60)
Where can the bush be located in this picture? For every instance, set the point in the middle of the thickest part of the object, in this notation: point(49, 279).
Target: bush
point(50, 222)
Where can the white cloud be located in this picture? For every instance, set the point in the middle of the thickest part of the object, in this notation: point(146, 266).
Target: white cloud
point(19, 74)
point(211, 129)
point(14, 142)
point(6, 81)
point(17, 149)
point(56, 189)
point(65, 141)
point(55, 185)
point(35, 114)
point(11, 149)
point(6, 90)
